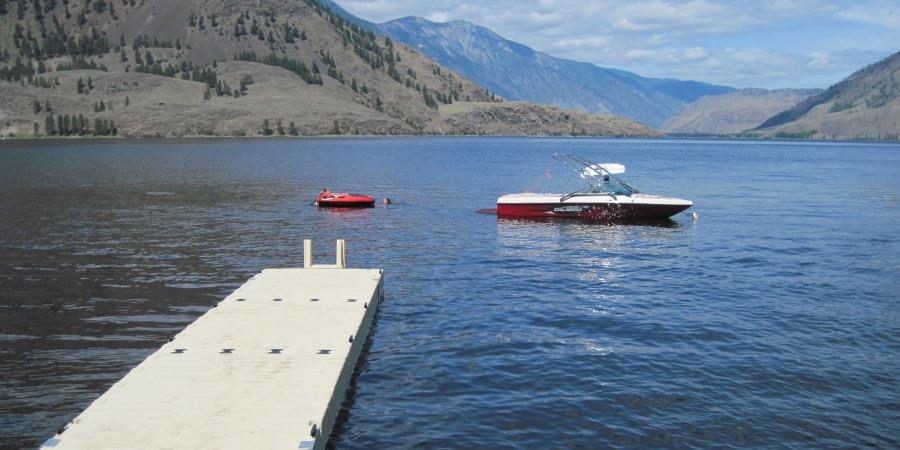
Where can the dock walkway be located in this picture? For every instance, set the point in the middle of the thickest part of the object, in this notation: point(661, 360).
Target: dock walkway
point(267, 368)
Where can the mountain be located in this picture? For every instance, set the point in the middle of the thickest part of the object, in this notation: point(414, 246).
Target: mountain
point(865, 105)
point(733, 112)
point(230, 67)
point(515, 71)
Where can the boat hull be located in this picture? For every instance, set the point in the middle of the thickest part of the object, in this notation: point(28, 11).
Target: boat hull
point(591, 211)
point(344, 201)
point(363, 204)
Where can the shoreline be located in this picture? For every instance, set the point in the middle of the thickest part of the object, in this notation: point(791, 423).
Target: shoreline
point(425, 135)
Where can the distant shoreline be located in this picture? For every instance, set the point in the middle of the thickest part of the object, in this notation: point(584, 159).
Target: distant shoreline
point(402, 136)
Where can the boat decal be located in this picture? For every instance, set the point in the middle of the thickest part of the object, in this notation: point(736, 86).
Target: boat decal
point(574, 209)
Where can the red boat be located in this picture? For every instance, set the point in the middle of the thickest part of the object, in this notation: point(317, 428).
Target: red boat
point(344, 200)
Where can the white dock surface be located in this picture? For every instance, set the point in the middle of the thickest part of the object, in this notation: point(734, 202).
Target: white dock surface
point(195, 393)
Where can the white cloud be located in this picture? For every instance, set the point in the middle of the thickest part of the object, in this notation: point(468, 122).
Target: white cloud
point(697, 16)
point(819, 59)
point(580, 42)
point(438, 17)
point(695, 53)
point(886, 14)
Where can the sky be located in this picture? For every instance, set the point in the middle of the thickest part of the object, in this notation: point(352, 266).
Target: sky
point(768, 44)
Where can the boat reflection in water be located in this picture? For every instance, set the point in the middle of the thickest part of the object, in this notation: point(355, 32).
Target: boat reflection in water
point(592, 252)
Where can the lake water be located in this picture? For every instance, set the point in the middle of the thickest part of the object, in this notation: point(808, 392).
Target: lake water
point(772, 321)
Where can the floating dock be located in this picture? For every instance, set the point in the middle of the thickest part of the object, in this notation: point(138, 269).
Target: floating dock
point(266, 368)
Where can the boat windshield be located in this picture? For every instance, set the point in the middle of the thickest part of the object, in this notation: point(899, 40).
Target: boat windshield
point(614, 187)
point(611, 187)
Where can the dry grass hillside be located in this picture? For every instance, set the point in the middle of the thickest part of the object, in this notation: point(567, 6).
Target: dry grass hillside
point(522, 118)
point(866, 105)
point(225, 67)
point(733, 112)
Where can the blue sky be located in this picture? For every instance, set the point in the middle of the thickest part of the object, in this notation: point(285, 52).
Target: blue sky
point(769, 44)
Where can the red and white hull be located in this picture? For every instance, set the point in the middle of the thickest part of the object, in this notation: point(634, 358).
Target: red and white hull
point(591, 207)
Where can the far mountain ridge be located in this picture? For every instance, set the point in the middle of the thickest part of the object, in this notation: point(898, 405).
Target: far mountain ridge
point(517, 72)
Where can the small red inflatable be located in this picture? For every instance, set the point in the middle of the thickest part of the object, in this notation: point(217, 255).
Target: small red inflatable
point(330, 199)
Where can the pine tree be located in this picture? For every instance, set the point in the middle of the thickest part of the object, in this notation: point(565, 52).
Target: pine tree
point(429, 99)
point(127, 101)
point(244, 82)
point(265, 128)
point(36, 107)
point(80, 86)
point(292, 129)
point(280, 128)
point(47, 107)
point(37, 129)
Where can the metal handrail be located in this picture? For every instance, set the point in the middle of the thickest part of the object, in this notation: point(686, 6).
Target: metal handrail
point(583, 173)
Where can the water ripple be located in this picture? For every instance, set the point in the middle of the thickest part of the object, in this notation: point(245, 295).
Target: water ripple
point(770, 322)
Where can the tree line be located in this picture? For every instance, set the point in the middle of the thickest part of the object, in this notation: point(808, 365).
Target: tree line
point(311, 76)
point(72, 125)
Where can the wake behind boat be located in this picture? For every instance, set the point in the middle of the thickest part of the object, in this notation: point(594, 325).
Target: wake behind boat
point(606, 198)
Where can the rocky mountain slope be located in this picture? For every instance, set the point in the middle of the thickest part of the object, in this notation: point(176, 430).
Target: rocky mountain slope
point(733, 112)
point(515, 71)
point(227, 67)
point(866, 105)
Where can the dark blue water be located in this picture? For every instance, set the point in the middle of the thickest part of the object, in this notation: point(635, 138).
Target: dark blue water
point(772, 321)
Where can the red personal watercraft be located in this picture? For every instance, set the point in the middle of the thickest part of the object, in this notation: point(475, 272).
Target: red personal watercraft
point(330, 199)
